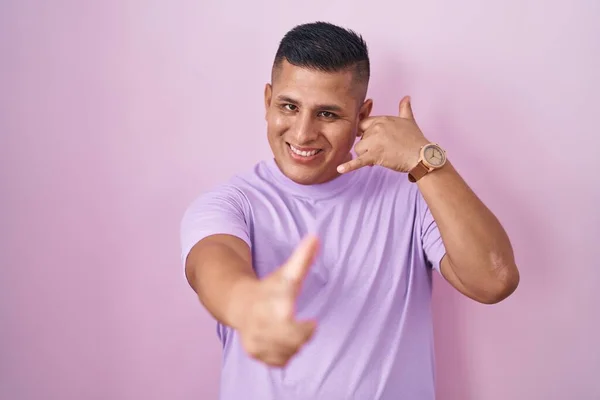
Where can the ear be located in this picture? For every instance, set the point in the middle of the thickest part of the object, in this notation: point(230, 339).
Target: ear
point(364, 112)
point(365, 109)
point(268, 96)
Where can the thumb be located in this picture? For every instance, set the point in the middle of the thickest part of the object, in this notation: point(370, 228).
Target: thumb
point(297, 266)
point(405, 109)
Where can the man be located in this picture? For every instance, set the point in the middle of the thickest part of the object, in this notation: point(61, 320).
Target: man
point(317, 263)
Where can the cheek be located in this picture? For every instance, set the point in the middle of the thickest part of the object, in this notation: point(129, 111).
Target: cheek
point(342, 140)
point(277, 123)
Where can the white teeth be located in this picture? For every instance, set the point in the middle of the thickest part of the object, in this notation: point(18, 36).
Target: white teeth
point(303, 153)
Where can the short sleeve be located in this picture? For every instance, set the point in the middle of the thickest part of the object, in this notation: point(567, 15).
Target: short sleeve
point(221, 211)
point(433, 246)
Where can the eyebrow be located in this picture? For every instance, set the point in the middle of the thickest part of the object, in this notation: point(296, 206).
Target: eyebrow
point(327, 107)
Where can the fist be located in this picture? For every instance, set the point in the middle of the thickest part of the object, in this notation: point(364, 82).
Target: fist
point(391, 142)
point(270, 331)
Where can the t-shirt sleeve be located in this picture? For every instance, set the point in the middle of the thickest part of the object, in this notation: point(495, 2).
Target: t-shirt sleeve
point(221, 211)
point(430, 236)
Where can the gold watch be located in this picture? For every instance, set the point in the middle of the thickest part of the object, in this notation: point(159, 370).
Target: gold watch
point(431, 157)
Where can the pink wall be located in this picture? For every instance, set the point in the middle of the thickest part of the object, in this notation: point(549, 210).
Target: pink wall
point(113, 115)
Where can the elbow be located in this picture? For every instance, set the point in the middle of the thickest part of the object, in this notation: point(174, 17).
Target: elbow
point(503, 283)
point(191, 270)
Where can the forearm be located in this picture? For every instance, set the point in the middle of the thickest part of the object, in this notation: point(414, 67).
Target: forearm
point(222, 279)
point(478, 248)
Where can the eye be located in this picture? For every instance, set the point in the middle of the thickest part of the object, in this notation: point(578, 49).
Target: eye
point(327, 114)
point(289, 107)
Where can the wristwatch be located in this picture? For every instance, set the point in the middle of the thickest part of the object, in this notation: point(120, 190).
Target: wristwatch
point(431, 157)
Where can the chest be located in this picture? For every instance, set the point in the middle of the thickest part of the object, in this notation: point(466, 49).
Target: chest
point(366, 241)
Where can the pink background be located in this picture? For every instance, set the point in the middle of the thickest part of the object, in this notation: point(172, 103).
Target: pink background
point(115, 114)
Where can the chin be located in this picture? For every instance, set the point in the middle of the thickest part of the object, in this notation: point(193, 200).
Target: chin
point(303, 175)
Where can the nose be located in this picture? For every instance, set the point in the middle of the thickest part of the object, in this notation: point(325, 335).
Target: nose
point(305, 129)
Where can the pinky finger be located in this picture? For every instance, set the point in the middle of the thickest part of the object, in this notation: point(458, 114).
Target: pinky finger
point(353, 165)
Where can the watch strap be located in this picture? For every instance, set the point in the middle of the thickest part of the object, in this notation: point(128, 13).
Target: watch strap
point(419, 171)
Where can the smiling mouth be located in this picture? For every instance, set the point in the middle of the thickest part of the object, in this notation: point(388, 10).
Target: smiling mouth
point(304, 153)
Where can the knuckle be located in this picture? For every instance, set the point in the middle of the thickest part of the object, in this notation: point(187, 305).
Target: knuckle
point(298, 346)
point(254, 354)
point(278, 361)
point(273, 363)
point(252, 349)
point(308, 336)
point(282, 363)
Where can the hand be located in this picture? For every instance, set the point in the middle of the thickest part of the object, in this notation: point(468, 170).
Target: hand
point(270, 332)
point(392, 142)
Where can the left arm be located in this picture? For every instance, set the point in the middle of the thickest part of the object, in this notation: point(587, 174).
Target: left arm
point(479, 260)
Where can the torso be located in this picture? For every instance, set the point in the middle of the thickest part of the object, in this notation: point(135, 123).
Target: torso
point(369, 289)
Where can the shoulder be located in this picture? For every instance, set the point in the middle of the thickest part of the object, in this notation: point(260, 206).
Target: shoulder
point(223, 195)
point(232, 194)
point(222, 209)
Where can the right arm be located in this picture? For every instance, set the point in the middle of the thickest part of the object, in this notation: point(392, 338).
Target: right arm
point(218, 266)
point(219, 269)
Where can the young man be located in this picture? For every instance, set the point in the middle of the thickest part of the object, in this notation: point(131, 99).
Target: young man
point(317, 263)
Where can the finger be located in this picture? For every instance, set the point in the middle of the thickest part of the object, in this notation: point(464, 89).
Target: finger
point(275, 360)
point(367, 133)
point(298, 335)
point(279, 362)
point(295, 334)
point(297, 266)
point(306, 329)
point(405, 109)
point(367, 123)
point(283, 344)
point(361, 147)
point(359, 162)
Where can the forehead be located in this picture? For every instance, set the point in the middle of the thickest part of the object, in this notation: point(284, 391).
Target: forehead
point(311, 86)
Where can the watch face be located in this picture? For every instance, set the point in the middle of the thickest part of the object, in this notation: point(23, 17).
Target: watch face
point(434, 155)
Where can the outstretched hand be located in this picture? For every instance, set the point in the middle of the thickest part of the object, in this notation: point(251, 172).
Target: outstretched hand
point(391, 142)
point(270, 332)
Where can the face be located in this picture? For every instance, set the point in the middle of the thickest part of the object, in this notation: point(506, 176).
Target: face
point(312, 120)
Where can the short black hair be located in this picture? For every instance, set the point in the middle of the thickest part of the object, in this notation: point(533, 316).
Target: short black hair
point(325, 47)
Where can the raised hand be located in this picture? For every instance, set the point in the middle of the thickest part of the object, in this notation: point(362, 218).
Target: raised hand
point(392, 142)
point(270, 331)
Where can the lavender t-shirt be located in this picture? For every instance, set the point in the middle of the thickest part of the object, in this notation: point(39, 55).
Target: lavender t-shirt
point(369, 289)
